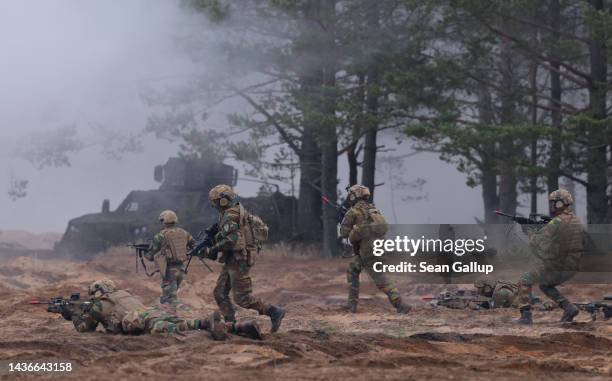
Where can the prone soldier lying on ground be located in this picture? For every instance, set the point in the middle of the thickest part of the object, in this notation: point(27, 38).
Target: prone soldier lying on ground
point(120, 312)
point(488, 294)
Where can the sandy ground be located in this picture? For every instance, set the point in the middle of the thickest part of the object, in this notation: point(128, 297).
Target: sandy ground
point(317, 341)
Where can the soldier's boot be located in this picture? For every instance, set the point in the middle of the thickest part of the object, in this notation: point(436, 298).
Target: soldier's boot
point(569, 311)
point(403, 308)
point(215, 326)
point(276, 315)
point(526, 317)
point(350, 307)
point(249, 329)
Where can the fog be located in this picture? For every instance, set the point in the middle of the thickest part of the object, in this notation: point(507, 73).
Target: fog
point(84, 64)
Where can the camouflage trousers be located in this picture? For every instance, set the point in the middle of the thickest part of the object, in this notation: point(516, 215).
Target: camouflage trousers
point(170, 284)
point(356, 265)
point(235, 277)
point(155, 320)
point(548, 280)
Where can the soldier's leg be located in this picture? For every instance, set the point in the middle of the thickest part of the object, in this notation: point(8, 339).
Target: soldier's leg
point(383, 283)
point(524, 297)
point(242, 288)
point(169, 286)
point(352, 277)
point(221, 294)
point(569, 310)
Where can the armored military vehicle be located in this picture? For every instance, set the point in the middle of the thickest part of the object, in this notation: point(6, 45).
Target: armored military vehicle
point(184, 188)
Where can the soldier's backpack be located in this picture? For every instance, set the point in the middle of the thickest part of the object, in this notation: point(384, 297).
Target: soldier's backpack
point(254, 229)
point(375, 224)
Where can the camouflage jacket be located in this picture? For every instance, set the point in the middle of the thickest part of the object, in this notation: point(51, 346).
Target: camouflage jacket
point(172, 242)
point(358, 217)
point(110, 310)
point(559, 244)
point(230, 237)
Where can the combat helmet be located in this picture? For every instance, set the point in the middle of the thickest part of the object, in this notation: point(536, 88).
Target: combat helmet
point(560, 199)
point(222, 196)
point(168, 217)
point(358, 192)
point(101, 287)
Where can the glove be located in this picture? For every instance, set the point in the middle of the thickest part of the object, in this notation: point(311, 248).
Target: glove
point(209, 253)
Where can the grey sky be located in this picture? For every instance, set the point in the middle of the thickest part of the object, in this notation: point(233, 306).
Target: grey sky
point(84, 63)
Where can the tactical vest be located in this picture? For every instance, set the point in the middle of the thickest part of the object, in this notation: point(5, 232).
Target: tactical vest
point(174, 244)
point(370, 224)
point(120, 303)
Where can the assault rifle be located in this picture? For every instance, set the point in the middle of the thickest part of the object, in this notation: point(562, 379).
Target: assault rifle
point(593, 307)
point(141, 250)
point(342, 208)
point(206, 239)
point(460, 299)
point(533, 219)
point(64, 306)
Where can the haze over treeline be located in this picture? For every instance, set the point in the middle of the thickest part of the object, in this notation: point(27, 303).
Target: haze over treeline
point(93, 96)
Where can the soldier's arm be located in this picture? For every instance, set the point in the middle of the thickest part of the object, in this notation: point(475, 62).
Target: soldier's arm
point(227, 236)
point(155, 247)
point(86, 321)
point(191, 243)
point(546, 240)
point(347, 223)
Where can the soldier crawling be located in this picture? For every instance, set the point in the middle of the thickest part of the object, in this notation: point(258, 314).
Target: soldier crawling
point(120, 312)
point(235, 248)
point(559, 245)
point(362, 224)
point(169, 250)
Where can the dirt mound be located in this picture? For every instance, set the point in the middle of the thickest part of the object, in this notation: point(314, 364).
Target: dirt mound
point(318, 340)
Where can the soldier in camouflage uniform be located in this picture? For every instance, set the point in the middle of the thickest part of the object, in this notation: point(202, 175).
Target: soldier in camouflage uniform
point(169, 250)
point(232, 249)
point(362, 224)
point(505, 294)
point(559, 245)
point(120, 312)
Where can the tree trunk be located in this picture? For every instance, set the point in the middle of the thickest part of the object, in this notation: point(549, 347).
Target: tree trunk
point(309, 203)
point(351, 152)
point(489, 193)
point(368, 176)
point(554, 161)
point(598, 209)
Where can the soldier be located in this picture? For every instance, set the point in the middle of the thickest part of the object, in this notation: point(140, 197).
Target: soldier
point(120, 312)
point(169, 249)
point(505, 294)
point(362, 224)
point(559, 245)
point(237, 253)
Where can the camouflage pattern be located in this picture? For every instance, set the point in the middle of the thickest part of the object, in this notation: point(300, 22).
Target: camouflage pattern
point(234, 277)
point(362, 241)
point(121, 312)
point(503, 294)
point(169, 250)
point(559, 245)
point(230, 238)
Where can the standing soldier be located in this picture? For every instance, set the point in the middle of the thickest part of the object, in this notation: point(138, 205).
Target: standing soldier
point(362, 224)
point(169, 249)
point(237, 249)
point(559, 245)
point(118, 311)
